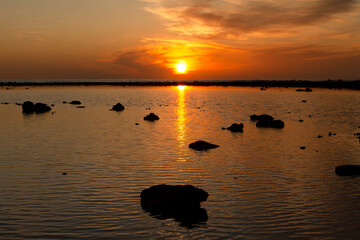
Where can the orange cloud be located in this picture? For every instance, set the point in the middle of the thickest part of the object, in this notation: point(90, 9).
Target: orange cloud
point(229, 18)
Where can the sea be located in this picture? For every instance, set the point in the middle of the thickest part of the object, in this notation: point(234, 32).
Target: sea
point(77, 173)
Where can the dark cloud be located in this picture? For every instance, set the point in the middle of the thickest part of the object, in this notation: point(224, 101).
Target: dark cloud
point(229, 17)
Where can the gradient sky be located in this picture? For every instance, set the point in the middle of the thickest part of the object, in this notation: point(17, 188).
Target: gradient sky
point(144, 39)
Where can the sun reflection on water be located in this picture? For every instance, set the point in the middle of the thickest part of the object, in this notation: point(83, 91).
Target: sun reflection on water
point(181, 120)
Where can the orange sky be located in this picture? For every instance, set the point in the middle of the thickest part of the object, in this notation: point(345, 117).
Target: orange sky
point(145, 39)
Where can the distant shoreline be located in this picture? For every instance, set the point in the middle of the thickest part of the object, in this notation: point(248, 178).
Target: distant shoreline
point(241, 83)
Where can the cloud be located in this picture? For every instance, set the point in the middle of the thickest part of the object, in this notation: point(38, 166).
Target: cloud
point(229, 18)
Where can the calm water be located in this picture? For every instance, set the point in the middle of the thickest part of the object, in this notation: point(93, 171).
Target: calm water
point(261, 184)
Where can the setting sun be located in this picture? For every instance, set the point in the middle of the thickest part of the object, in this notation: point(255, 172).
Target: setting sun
point(181, 67)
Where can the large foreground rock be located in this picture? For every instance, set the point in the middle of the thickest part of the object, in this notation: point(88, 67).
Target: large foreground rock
point(29, 107)
point(118, 107)
point(202, 145)
point(236, 127)
point(181, 202)
point(347, 170)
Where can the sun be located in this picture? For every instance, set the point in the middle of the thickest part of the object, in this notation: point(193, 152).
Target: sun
point(181, 67)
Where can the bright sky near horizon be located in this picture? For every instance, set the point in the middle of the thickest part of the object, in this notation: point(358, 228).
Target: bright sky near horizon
point(147, 39)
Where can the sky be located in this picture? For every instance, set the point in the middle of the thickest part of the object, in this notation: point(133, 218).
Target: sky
point(146, 39)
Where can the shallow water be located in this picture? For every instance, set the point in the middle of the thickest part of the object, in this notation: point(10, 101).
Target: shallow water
point(261, 184)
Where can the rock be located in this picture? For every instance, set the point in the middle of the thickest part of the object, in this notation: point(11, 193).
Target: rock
point(330, 134)
point(118, 107)
point(42, 108)
point(302, 148)
point(236, 127)
point(64, 102)
point(304, 90)
point(136, 123)
point(29, 107)
point(75, 102)
point(271, 124)
point(262, 89)
point(5, 103)
point(303, 101)
point(53, 105)
point(347, 170)
point(151, 117)
point(300, 120)
point(319, 136)
point(181, 202)
point(80, 107)
point(64, 173)
point(263, 117)
point(202, 145)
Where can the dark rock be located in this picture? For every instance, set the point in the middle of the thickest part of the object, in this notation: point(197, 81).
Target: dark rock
point(202, 145)
point(18, 104)
point(136, 123)
point(118, 107)
point(236, 127)
point(223, 128)
point(271, 124)
point(53, 105)
point(330, 134)
point(151, 117)
point(75, 102)
point(319, 136)
point(5, 103)
point(357, 134)
point(347, 170)
point(80, 107)
point(304, 90)
point(263, 117)
point(64, 102)
point(181, 202)
point(309, 116)
point(262, 89)
point(302, 148)
point(28, 107)
point(303, 101)
point(300, 120)
point(42, 108)
point(64, 173)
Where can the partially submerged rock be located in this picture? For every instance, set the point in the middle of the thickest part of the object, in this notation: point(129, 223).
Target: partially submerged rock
point(304, 90)
point(271, 124)
point(76, 102)
point(151, 117)
point(118, 107)
point(29, 107)
point(202, 145)
point(262, 117)
point(347, 170)
point(236, 127)
point(181, 202)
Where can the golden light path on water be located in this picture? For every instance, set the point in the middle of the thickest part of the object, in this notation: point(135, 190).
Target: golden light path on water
point(181, 117)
